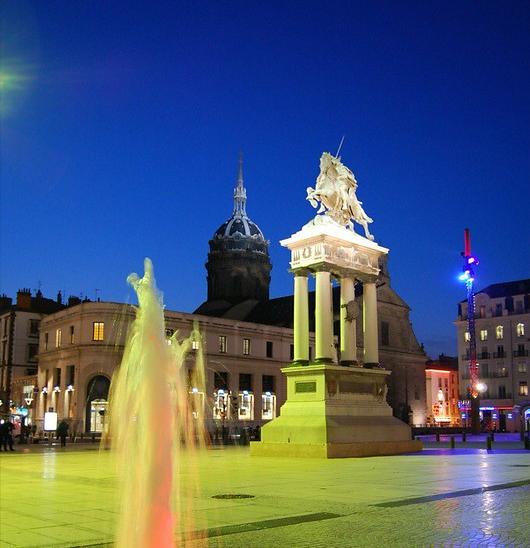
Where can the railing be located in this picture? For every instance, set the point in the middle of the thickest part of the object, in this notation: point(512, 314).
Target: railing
point(490, 396)
point(498, 374)
point(500, 355)
point(520, 353)
point(483, 356)
point(488, 375)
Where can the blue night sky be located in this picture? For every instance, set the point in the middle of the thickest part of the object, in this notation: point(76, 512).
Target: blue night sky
point(122, 123)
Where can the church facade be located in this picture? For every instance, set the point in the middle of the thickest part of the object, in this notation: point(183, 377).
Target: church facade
point(248, 338)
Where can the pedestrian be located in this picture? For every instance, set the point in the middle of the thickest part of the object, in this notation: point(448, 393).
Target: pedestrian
point(62, 432)
point(6, 436)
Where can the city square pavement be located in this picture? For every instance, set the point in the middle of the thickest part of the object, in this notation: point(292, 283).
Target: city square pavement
point(471, 497)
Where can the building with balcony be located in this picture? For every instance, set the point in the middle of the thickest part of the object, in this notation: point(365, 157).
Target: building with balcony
point(502, 330)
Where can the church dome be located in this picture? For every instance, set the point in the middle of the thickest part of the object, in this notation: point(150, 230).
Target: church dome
point(239, 227)
point(238, 262)
point(240, 232)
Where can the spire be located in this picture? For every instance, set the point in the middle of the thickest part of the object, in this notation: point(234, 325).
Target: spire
point(240, 193)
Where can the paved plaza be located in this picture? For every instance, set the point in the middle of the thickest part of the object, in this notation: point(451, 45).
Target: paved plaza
point(67, 498)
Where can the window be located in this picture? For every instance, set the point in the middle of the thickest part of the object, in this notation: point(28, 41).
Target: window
point(498, 309)
point(500, 351)
point(467, 336)
point(520, 329)
point(523, 388)
point(521, 368)
point(98, 331)
point(220, 380)
point(72, 334)
point(483, 334)
point(268, 383)
point(222, 344)
point(499, 332)
point(34, 328)
point(519, 307)
point(246, 347)
point(482, 311)
point(58, 338)
point(245, 382)
point(269, 349)
point(502, 392)
point(33, 350)
point(385, 333)
point(195, 344)
point(57, 377)
point(45, 341)
point(291, 351)
point(5, 326)
point(70, 375)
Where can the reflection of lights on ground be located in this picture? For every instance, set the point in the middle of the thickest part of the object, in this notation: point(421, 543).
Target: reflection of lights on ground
point(488, 505)
point(49, 466)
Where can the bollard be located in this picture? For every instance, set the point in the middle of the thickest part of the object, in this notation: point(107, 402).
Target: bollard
point(452, 442)
point(437, 437)
point(463, 437)
point(493, 436)
point(488, 443)
point(527, 443)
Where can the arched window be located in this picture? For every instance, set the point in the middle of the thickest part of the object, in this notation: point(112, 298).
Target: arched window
point(499, 332)
point(96, 403)
point(520, 329)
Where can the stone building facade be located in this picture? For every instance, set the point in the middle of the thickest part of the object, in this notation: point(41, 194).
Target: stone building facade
point(19, 345)
point(502, 328)
point(249, 338)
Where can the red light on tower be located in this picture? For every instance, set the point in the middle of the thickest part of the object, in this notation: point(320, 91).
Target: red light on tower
point(467, 243)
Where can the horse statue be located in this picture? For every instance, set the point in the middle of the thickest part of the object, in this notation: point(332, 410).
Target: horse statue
point(335, 190)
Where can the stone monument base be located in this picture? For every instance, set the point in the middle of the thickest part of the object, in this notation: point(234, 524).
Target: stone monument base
point(334, 412)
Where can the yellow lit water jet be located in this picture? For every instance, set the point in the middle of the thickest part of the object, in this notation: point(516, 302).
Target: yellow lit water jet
point(152, 418)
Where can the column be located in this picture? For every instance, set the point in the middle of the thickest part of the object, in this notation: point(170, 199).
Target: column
point(323, 318)
point(301, 319)
point(257, 387)
point(371, 348)
point(233, 388)
point(348, 339)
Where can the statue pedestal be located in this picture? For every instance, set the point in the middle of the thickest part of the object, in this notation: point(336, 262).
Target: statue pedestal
point(332, 412)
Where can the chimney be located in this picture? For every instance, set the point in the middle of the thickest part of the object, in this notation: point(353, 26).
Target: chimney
point(73, 301)
point(24, 299)
point(5, 301)
point(59, 297)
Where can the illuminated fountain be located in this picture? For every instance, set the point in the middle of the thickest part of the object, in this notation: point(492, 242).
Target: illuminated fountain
point(152, 418)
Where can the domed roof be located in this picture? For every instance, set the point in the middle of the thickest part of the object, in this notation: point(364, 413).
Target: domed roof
point(239, 226)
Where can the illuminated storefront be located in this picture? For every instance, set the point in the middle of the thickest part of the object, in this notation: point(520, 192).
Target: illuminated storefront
point(441, 377)
point(245, 408)
point(268, 406)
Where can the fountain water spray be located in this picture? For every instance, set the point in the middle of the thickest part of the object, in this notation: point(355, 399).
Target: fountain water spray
point(152, 417)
